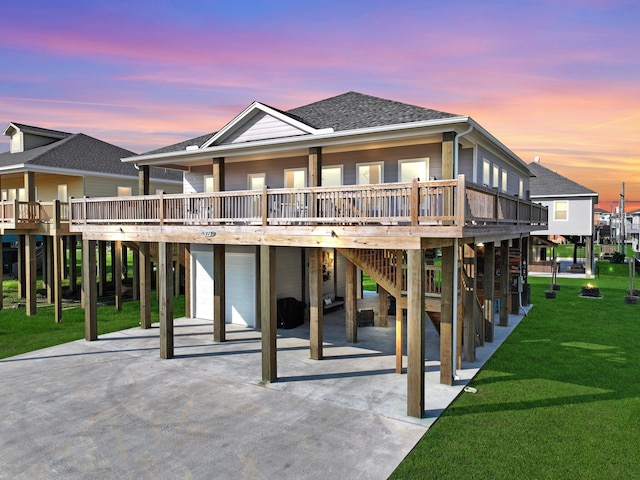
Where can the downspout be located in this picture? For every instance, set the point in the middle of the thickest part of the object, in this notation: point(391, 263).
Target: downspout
point(454, 350)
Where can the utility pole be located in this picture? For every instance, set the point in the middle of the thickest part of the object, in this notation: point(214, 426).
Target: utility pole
point(623, 219)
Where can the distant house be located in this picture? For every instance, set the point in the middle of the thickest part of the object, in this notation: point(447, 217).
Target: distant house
point(42, 170)
point(281, 204)
point(633, 230)
point(571, 218)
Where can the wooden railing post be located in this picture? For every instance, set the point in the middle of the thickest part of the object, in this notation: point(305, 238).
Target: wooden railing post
point(84, 209)
point(415, 201)
point(56, 214)
point(264, 210)
point(461, 196)
point(160, 209)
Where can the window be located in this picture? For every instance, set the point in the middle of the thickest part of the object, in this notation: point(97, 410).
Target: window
point(486, 172)
point(561, 210)
point(208, 183)
point(368, 173)
point(415, 168)
point(22, 195)
point(496, 177)
point(124, 191)
point(63, 194)
point(521, 188)
point(159, 191)
point(295, 178)
point(256, 181)
point(504, 180)
point(5, 195)
point(331, 176)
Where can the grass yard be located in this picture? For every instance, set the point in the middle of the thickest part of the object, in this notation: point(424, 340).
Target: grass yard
point(560, 399)
point(20, 334)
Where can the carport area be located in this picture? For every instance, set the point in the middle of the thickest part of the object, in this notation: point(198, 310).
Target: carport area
point(113, 409)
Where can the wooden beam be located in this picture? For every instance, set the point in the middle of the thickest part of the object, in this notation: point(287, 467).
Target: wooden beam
point(145, 284)
point(89, 290)
point(219, 294)
point(143, 180)
point(315, 166)
point(415, 333)
point(399, 309)
point(315, 304)
point(116, 268)
point(30, 271)
point(268, 313)
point(488, 283)
point(218, 169)
point(165, 299)
point(351, 302)
point(504, 283)
point(446, 317)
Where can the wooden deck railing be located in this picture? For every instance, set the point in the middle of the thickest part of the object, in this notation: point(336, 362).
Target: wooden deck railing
point(18, 214)
point(444, 202)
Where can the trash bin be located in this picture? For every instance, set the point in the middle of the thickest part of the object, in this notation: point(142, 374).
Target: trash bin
point(290, 312)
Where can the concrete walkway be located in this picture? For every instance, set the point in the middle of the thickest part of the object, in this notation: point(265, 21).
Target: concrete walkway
point(113, 409)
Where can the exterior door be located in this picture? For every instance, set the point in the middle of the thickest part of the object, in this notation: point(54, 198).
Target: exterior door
point(240, 287)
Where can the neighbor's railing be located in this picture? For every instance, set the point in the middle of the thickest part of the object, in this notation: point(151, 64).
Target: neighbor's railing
point(19, 214)
point(444, 202)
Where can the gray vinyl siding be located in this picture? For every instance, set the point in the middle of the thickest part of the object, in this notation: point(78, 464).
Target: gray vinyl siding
point(108, 187)
point(33, 141)
point(236, 173)
point(262, 127)
point(289, 272)
point(514, 174)
point(579, 217)
point(465, 163)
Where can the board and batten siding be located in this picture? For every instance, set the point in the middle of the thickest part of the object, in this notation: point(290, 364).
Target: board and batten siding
point(262, 127)
point(579, 217)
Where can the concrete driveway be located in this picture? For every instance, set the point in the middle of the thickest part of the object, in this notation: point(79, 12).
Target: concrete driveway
point(113, 409)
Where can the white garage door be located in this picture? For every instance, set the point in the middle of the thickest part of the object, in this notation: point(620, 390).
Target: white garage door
point(241, 288)
point(202, 267)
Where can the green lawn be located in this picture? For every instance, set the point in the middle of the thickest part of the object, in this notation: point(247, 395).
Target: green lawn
point(560, 399)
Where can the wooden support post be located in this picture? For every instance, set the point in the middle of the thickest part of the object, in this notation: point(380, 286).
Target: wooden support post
point(89, 290)
point(102, 268)
point(57, 272)
point(219, 294)
point(315, 166)
point(446, 316)
point(1, 270)
point(135, 281)
point(116, 268)
point(489, 279)
point(382, 319)
point(30, 270)
point(351, 303)
point(143, 180)
point(47, 267)
point(448, 147)
point(588, 256)
point(399, 309)
point(165, 299)
point(176, 270)
point(415, 333)
point(73, 274)
point(504, 283)
point(145, 284)
point(268, 313)
point(187, 280)
point(471, 304)
point(22, 270)
point(315, 304)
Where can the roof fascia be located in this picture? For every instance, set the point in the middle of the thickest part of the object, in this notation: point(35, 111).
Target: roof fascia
point(563, 195)
point(501, 146)
point(250, 111)
point(75, 173)
point(325, 139)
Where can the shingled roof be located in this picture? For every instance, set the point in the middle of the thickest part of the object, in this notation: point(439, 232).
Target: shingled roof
point(176, 147)
point(80, 152)
point(354, 110)
point(548, 183)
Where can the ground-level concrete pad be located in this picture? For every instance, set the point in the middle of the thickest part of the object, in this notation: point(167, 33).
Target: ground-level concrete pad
point(113, 409)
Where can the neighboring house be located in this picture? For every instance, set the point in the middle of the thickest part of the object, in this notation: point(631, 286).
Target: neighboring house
point(290, 204)
point(633, 230)
point(571, 218)
point(45, 168)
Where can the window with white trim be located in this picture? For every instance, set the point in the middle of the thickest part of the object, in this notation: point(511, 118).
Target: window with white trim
point(63, 193)
point(413, 168)
point(369, 173)
point(208, 183)
point(255, 181)
point(496, 177)
point(521, 188)
point(486, 172)
point(295, 178)
point(504, 180)
point(331, 176)
point(561, 210)
point(124, 191)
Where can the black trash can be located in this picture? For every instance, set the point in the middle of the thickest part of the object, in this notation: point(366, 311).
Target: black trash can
point(290, 312)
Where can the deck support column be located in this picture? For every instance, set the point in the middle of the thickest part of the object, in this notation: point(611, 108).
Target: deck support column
point(176, 270)
point(116, 268)
point(399, 309)
point(1, 270)
point(57, 272)
point(449, 269)
point(165, 298)
point(47, 265)
point(315, 304)
point(135, 280)
point(102, 268)
point(89, 290)
point(504, 283)
point(73, 275)
point(415, 333)
point(187, 280)
point(268, 312)
point(488, 282)
point(588, 255)
point(351, 303)
point(471, 307)
point(144, 275)
point(22, 271)
point(382, 319)
point(219, 294)
point(30, 270)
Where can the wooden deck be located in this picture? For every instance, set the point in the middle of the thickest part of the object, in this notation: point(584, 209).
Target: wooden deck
point(34, 217)
point(366, 216)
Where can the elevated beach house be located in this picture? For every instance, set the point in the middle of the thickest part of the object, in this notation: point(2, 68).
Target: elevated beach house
point(42, 170)
point(294, 203)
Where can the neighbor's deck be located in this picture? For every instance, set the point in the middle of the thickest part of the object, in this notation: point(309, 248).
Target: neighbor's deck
point(356, 216)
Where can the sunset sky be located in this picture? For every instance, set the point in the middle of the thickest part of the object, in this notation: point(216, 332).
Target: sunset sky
point(558, 79)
